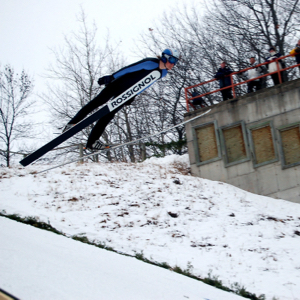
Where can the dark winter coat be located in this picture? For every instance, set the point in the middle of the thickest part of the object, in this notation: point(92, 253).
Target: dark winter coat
point(298, 55)
point(221, 76)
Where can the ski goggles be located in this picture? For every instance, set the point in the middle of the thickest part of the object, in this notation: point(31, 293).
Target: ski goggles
point(171, 59)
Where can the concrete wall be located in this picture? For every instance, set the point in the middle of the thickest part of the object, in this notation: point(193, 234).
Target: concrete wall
point(279, 104)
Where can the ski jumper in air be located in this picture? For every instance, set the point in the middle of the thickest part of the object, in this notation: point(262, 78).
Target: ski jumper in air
point(115, 85)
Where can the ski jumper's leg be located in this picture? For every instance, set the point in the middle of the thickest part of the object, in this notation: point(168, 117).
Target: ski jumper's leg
point(99, 100)
point(118, 86)
point(100, 126)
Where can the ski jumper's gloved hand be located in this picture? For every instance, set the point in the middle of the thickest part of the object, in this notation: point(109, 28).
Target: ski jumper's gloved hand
point(105, 80)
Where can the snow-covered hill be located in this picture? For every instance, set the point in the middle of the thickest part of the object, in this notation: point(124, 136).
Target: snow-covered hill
point(36, 264)
point(157, 209)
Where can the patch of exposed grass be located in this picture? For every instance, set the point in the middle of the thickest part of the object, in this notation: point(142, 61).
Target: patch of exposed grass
point(33, 222)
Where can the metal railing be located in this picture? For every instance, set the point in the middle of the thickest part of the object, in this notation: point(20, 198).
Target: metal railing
point(189, 97)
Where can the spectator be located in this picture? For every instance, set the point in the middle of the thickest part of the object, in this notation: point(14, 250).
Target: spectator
point(253, 73)
point(296, 52)
point(272, 67)
point(224, 80)
point(198, 101)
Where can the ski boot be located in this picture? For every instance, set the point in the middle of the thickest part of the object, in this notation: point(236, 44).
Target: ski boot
point(97, 146)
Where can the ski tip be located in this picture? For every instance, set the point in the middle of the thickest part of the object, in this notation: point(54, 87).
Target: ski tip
point(24, 162)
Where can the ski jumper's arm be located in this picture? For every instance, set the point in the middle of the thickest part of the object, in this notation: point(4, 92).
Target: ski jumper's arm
point(144, 64)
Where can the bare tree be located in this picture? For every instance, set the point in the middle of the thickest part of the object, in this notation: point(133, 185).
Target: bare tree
point(225, 30)
point(16, 104)
point(258, 24)
point(168, 99)
point(78, 66)
point(250, 27)
point(231, 30)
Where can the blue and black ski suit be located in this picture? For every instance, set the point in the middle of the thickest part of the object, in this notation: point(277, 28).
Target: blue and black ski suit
point(121, 81)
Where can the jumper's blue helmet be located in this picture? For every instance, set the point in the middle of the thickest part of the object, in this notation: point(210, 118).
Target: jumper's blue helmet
point(171, 55)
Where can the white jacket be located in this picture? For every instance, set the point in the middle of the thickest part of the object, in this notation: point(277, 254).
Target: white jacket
point(253, 73)
point(272, 67)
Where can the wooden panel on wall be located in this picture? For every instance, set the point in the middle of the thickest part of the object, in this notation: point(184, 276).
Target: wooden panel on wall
point(291, 145)
point(234, 143)
point(263, 144)
point(207, 142)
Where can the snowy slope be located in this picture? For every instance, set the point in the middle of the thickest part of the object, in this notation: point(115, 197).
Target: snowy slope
point(157, 209)
point(36, 264)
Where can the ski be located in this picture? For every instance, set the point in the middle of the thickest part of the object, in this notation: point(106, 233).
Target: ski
point(110, 106)
point(112, 147)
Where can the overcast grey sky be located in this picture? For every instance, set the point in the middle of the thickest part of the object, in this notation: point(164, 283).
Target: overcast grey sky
point(28, 29)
